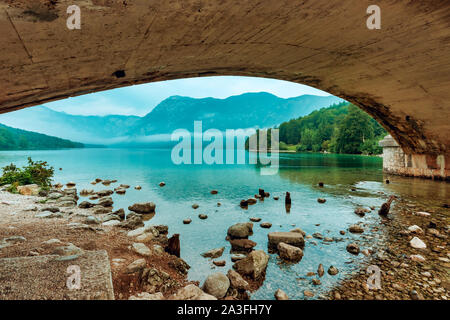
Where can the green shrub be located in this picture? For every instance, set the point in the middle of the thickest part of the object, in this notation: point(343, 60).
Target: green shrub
point(34, 173)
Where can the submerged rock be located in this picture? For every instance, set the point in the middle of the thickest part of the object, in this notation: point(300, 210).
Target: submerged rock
point(254, 265)
point(213, 253)
point(289, 253)
point(320, 270)
point(332, 271)
point(361, 211)
point(281, 295)
point(266, 225)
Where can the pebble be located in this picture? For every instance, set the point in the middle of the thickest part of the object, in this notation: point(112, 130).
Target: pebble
point(281, 295)
point(417, 243)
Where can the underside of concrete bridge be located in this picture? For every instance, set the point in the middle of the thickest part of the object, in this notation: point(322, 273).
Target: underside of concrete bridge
point(399, 74)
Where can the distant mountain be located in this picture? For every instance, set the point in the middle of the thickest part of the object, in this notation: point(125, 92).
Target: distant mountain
point(249, 110)
point(17, 139)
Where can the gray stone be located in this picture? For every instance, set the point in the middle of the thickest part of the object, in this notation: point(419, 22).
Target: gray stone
point(240, 230)
point(143, 208)
point(292, 238)
point(217, 285)
point(213, 253)
point(281, 295)
point(136, 265)
point(254, 265)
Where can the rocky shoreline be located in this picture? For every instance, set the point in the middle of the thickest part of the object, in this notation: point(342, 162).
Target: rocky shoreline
point(146, 264)
point(413, 258)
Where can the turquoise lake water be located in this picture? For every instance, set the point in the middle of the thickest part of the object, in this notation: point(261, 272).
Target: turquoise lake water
point(298, 174)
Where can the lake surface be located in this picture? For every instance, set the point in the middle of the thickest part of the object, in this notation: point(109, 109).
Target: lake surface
point(298, 174)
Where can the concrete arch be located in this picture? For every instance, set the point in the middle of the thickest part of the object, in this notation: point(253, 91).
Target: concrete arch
point(398, 74)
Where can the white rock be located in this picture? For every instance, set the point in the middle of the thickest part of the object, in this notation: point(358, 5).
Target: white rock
point(141, 249)
point(111, 223)
point(136, 266)
point(147, 296)
point(415, 229)
point(422, 214)
point(417, 258)
point(51, 241)
point(417, 243)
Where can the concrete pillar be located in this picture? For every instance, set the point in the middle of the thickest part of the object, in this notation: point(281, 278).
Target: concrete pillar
point(395, 161)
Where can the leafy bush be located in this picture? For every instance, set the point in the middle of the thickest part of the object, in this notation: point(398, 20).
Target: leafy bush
point(34, 173)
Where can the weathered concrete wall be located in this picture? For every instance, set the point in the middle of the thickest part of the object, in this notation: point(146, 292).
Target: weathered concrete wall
point(398, 74)
point(396, 161)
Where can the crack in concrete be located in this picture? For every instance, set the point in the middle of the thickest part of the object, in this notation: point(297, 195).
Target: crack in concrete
point(20, 38)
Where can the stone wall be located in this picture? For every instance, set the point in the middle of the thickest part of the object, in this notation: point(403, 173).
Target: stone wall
point(396, 161)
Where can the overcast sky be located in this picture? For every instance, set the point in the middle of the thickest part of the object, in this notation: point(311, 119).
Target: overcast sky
point(141, 99)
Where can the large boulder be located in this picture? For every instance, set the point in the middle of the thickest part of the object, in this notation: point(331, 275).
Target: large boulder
point(292, 238)
point(216, 284)
point(145, 207)
point(192, 292)
point(289, 253)
point(141, 249)
point(29, 190)
point(240, 230)
point(254, 265)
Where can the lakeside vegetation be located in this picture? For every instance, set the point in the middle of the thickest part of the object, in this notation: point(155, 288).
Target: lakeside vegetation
point(35, 172)
point(340, 128)
point(17, 139)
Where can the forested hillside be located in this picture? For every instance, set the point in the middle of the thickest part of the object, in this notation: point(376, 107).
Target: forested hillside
point(17, 139)
point(340, 128)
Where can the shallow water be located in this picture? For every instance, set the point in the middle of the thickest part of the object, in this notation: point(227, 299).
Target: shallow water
point(298, 174)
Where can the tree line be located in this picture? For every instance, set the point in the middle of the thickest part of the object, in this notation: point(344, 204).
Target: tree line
point(17, 139)
point(340, 128)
